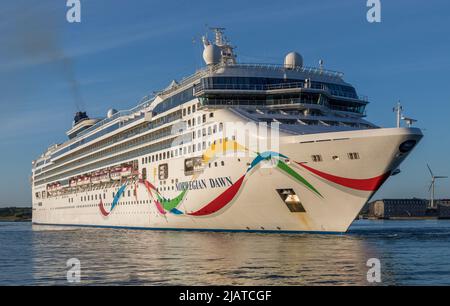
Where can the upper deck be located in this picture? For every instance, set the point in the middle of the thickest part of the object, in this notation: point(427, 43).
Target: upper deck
point(226, 83)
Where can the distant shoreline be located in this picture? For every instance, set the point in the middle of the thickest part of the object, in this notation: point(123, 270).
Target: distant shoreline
point(404, 218)
point(15, 214)
point(14, 220)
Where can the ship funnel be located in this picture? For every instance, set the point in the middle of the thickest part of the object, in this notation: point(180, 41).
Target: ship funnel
point(293, 60)
point(79, 116)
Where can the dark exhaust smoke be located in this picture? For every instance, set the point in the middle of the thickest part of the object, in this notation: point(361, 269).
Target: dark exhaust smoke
point(38, 35)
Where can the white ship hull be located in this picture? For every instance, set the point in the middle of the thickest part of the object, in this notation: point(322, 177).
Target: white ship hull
point(228, 197)
point(178, 160)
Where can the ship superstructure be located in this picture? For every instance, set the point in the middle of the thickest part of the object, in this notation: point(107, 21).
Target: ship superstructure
point(177, 160)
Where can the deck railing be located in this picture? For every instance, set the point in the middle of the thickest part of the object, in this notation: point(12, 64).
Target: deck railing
point(199, 88)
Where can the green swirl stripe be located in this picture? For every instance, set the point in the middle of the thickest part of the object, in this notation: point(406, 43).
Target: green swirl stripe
point(284, 167)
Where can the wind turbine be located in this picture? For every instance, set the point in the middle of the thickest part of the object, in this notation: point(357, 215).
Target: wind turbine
point(433, 182)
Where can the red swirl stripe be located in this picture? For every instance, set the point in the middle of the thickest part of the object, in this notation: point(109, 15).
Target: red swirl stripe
point(221, 201)
point(370, 184)
point(102, 209)
point(158, 205)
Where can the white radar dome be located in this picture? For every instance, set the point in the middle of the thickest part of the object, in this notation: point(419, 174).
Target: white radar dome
point(212, 54)
point(293, 60)
point(111, 113)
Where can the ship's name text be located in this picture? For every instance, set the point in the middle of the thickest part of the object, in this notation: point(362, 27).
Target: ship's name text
point(217, 182)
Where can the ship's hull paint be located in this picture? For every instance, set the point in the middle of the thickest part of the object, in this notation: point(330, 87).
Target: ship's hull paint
point(255, 205)
point(185, 229)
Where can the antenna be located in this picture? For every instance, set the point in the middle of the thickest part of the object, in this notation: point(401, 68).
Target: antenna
point(219, 35)
point(399, 110)
point(431, 189)
point(409, 121)
point(227, 50)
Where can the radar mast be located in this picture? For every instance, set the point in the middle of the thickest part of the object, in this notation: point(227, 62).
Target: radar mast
point(227, 50)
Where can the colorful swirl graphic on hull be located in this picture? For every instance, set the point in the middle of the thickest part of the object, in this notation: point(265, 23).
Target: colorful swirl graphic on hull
point(172, 206)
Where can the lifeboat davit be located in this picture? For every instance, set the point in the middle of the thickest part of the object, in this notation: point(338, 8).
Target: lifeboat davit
point(104, 177)
point(84, 180)
point(116, 174)
point(126, 171)
point(73, 182)
point(95, 179)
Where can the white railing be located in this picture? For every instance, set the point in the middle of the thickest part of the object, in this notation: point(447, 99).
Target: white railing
point(205, 71)
point(200, 73)
point(103, 122)
point(278, 67)
point(123, 113)
point(339, 93)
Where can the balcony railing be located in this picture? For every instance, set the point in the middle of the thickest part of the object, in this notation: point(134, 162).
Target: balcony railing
point(278, 67)
point(294, 101)
point(75, 142)
point(200, 88)
point(124, 113)
point(244, 102)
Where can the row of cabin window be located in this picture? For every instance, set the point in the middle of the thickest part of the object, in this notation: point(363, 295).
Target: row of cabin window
point(207, 131)
point(222, 163)
point(163, 156)
point(168, 188)
point(165, 188)
point(187, 111)
point(160, 156)
point(108, 204)
point(168, 154)
point(200, 120)
point(117, 148)
point(352, 156)
point(173, 181)
point(184, 150)
point(129, 194)
point(127, 134)
point(155, 135)
point(92, 197)
point(98, 197)
point(125, 193)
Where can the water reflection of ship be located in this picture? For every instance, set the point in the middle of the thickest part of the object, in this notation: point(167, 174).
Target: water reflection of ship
point(141, 257)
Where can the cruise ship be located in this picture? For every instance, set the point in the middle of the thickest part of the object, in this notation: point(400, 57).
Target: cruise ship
point(233, 147)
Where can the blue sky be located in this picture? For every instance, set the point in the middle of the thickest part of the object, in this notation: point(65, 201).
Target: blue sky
point(124, 50)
